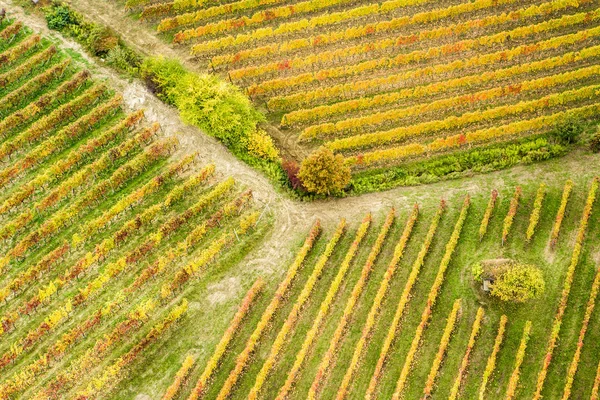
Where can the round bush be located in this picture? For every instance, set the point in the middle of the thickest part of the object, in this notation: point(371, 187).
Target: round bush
point(567, 131)
point(324, 172)
point(518, 283)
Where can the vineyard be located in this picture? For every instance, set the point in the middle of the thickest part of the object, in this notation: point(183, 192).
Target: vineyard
point(398, 81)
point(386, 308)
point(103, 231)
point(140, 259)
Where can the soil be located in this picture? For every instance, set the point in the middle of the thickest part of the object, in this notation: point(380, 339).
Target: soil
point(220, 292)
point(291, 218)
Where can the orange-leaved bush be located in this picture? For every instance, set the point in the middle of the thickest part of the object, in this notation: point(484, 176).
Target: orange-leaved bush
point(324, 172)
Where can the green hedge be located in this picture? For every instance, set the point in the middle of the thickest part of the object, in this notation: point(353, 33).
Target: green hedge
point(456, 165)
point(218, 108)
point(98, 40)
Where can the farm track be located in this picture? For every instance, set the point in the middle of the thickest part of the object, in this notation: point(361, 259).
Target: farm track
point(290, 216)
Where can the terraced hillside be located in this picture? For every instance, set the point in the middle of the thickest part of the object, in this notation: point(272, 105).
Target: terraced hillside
point(400, 81)
point(387, 308)
point(103, 234)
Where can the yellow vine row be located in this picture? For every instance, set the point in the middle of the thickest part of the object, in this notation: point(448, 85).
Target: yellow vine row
point(589, 309)
point(490, 365)
point(438, 69)
point(510, 215)
point(267, 315)
point(402, 303)
point(521, 127)
point(27, 374)
point(444, 343)
point(431, 299)
point(93, 356)
point(354, 124)
point(324, 308)
point(415, 56)
point(560, 214)
point(562, 305)
point(454, 122)
point(294, 26)
point(534, 218)
point(485, 220)
point(596, 388)
point(115, 372)
point(225, 25)
point(514, 377)
point(180, 377)
point(329, 357)
point(373, 315)
point(361, 31)
point(454, 392)
point(215, 359)
point(111, 271)
point(301, 98)
point(294, 314)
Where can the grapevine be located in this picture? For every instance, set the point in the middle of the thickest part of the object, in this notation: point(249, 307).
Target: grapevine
point(514, 378)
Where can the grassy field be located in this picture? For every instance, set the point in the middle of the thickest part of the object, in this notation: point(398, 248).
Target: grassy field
point(400, 80)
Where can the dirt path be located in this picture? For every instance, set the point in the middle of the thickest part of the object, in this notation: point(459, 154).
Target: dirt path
point(291, 218)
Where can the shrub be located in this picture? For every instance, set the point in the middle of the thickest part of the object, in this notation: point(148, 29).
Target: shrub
point(291, 169)
point(324, 172)
point(101, 40)
point(218, 107)
point(98, 40)
point(123, 59)
point(595, 142)
point(59, 17)
point(477, 271)
point(567, 132)
point(161, 75)
point(518, 283)
point(261, 145)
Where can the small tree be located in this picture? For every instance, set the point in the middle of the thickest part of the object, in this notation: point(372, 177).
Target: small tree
point(324, 172)
point(59, 18)
point(518, 283)
point(220, 108)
